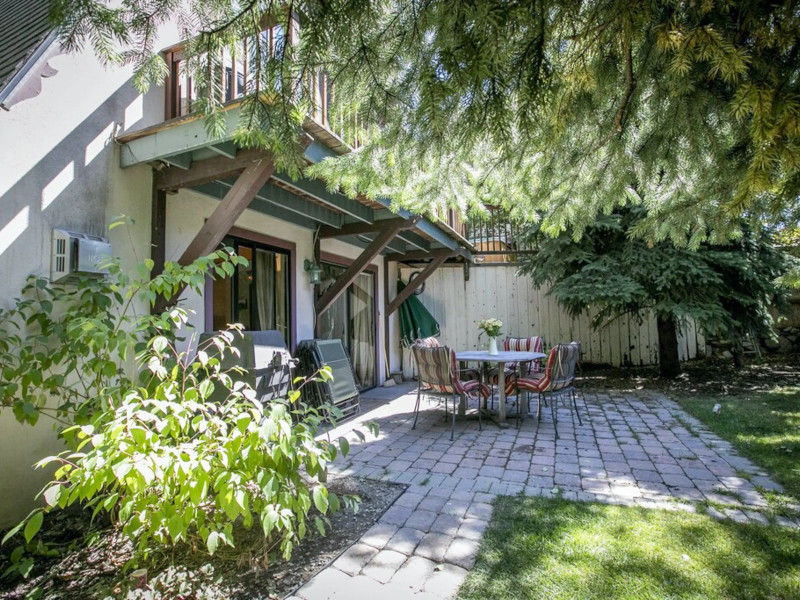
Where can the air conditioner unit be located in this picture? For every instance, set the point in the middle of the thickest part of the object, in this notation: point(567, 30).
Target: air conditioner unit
point(75, 254)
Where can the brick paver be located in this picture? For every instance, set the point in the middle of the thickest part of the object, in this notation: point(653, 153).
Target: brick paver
point(633, 449)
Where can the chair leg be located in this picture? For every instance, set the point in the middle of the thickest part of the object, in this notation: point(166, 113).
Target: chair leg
point(416, 409)
point(453, 426)
point(538, 406)
point(554, 412)
point(575, 404)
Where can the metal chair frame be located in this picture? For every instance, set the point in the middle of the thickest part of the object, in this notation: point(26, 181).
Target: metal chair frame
point(438, 376)
point(558, 378)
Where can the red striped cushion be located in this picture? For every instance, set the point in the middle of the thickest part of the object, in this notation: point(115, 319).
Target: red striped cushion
point(438, 371)
point(559, 372)
point(529, 344)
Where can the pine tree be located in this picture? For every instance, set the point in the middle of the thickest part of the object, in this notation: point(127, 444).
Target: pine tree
point(560, 109)
point(725, 289)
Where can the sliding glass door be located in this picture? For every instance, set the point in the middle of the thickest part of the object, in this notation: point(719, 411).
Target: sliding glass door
point(257, 296)
point(351, 318)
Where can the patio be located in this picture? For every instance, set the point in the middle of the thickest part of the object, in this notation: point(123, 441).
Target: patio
point(633, 448)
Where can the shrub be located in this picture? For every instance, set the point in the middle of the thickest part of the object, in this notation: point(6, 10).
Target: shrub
point(145, 444)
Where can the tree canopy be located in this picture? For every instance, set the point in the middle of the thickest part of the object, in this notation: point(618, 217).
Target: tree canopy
point(725, 289)
point(559, 111)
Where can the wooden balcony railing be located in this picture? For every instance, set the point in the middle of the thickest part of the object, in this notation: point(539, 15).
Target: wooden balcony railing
point(235, 80)
point(498, 238)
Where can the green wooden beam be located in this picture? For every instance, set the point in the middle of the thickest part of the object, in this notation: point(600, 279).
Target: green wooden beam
point(182, 161)
point(317, 152)
point(217, 190)
point(340, 202)
point(425, 226)
point(396, 246)
point(158, 142)
point(415, 240)
point(227, 149)
point(286, 200)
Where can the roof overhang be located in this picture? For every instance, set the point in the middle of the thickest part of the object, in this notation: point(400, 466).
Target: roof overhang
point(185, 157)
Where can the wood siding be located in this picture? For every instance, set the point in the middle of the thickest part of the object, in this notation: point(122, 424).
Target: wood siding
point(496, 291)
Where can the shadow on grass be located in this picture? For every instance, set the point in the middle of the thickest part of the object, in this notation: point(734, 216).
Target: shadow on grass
point(544, 548)
point(764, 427)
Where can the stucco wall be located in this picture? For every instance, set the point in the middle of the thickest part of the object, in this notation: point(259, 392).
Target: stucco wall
point(58, 168)
point(188, 210)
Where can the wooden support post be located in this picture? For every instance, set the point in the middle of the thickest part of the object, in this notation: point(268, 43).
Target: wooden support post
point(232, 206)
point(158, 230)
point(415, 283)
point(358, 265)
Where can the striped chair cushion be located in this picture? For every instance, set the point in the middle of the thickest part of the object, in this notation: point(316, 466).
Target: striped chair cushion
point(559, 371)
point(438, 371)
point(514, 344)
point(530, 344)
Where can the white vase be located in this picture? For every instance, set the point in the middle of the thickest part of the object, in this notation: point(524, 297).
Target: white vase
point(492, 345)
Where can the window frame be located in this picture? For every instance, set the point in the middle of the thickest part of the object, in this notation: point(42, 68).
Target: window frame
point(273, 244)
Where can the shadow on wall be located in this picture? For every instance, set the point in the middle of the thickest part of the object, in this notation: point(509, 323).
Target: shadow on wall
point(68, 189)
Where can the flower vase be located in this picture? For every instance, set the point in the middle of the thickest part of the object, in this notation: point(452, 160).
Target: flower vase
point(492, 345)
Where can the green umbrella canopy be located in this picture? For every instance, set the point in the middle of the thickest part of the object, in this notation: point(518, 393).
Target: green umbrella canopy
point(415, 320)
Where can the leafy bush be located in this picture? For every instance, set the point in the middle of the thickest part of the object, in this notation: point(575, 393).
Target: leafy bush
point(145, 444)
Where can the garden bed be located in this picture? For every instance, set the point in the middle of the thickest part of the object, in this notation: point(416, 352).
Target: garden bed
point(95, 571)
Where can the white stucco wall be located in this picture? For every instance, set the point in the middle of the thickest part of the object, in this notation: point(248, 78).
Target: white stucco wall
point(58, 169)
point(188, 210)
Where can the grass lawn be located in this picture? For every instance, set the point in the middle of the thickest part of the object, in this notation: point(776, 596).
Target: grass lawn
point(763, 426)
point(546, 548)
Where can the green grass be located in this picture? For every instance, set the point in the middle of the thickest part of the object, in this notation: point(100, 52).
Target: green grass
point(554, 548)
point(763, 426)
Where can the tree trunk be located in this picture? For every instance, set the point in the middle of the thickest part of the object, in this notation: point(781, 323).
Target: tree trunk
point(737, 350)
point(668, 362)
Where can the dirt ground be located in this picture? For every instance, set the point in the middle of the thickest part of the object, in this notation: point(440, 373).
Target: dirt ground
point(95, 571)
point(709, 376)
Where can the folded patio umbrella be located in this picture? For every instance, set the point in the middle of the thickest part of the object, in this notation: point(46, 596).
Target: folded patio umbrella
point(415, 320)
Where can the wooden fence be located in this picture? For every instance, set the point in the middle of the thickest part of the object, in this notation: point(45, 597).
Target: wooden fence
point(497, 291)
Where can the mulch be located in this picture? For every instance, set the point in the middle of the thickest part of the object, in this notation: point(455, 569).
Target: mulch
point(91, 559)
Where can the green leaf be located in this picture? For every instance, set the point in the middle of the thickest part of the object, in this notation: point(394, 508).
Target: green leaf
point(52, 494)
point(344, 445)
point(321, 498)
point(160, 344)
point(212, 541)
point(320, 524)
point(33, 525)
point(12, 532)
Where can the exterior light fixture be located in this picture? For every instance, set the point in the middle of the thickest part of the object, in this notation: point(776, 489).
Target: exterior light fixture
point(314, 271)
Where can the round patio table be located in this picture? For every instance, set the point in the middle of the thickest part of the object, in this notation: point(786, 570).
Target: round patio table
point(501, 358)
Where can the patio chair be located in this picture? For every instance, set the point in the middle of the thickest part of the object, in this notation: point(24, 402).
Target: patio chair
point(557, 379)
point(465, 373)
point(515, 344)
point(428, 342)
point(439, 377)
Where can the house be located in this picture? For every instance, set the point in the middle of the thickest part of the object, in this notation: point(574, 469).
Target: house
point(81, 145)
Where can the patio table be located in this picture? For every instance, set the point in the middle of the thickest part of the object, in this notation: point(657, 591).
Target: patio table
point(501, 358)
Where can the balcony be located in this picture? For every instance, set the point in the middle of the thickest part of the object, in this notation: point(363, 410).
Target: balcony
point(497, 237)
point(235, 80)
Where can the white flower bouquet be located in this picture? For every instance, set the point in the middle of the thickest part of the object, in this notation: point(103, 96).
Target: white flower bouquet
point(491, 327)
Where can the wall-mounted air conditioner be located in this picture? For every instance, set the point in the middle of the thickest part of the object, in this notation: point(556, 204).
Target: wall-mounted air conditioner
point(75, 254)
